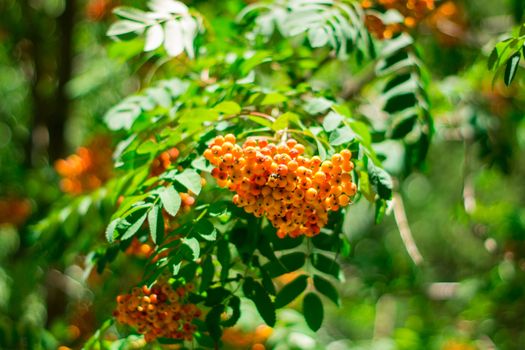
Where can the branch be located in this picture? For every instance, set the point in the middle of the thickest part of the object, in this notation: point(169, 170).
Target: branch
point(352, 87)
point(469, 194)
point(404, 229)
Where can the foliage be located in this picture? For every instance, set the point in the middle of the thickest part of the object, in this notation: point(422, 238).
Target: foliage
point(321, 116)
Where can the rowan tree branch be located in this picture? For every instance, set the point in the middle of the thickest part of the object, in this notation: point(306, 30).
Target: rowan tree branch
point(404, 229)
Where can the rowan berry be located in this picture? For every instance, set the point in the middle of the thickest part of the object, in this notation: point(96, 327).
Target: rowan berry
point(159, 311)
point(274, 180)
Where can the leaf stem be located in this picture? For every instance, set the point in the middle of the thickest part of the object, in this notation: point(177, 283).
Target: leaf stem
point(404, 229)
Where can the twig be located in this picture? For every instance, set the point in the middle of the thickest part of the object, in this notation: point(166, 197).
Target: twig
point(284, 135)
point(354, 86)
point(469, 194)
point(404, 229)
point(262, 115)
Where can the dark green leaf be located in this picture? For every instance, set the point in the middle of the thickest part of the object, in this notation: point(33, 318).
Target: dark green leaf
point(224, 257)
point(170, 199)
point(206, 230)
point(291, 291)
point(110, 230)
point(325, 264)
point(235, 304)
point(216, 296)
point(286, 263)
point(380, 210)
point(131, 230)
point(194, 247)
point(400, 102)
point(208, 271)
point(313, 311)
point(213, 320)
point(380, 180)
point(326, 288)
point(256, 292)
point(325, 241)
point(493, 58)
point(511, 68)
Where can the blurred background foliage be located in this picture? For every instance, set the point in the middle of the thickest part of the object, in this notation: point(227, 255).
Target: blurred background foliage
point(59, 74)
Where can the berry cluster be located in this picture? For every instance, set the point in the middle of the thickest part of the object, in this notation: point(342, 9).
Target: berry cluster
point(87, 169)
point(237, 338)
point(294, 192)
point(159, 311)
point(140, 249)
point(164, 161)
point(414, 12)
point(14, 211)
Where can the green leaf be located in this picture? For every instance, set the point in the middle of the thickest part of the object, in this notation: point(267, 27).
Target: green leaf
point(125, 27)
point(341, 136)
point(493, 58)
point(228, 107)
point(326, 241)
point(317, 105)
point(325, 264)
point(380, 180)
point(396, 44)
point(224, 257)
point(131, 13)
point(122, 116)
point(235, 304)
point(208, 271)
point(134, 227)
point(261, 121)
point(194, 246)
point(213, 320)
point(342, 110)
point(380, 210)
point(206, 230)
point(281, 122)
point(190, 179)
point(326, 288)
point(215, 296)
point(170, 199)
point(256, 292)
point(332, 121)
point(318, 36)
point(110, 230)
point(313, 311)
point(286, 263)
point(273, 98)
point(156, 224)
point(511, 68)
point(291, 291)
point(148, 147)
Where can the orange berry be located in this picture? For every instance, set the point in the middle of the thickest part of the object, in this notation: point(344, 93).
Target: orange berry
point(327, 166)
point(343, 200)
point(310, 194)
point(299, 148)
point(337, 159)
point(346, 154)
point(319, 177)
point(282, 170)
point(229, 138)
point(219, 140)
